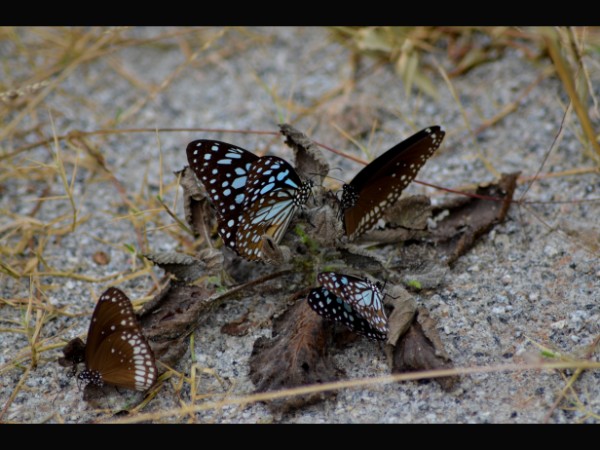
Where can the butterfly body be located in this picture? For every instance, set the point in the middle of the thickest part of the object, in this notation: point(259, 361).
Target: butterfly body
point(116, 351)
point(380, 184)
point(253, 196)
point(352, 301)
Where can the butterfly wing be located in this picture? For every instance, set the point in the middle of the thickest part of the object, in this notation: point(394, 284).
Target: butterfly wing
point(380, 184)
point(268, 174)
point(274, 191)
point(331, 307)
point(269, 215)
point(363, 296)
point(116, 350)
point(223, 170)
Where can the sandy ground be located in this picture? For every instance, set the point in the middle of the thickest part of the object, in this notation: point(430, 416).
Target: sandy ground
point(534, 278)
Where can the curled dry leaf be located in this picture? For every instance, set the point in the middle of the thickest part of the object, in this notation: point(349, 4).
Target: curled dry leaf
point(295, 356)
point(421, 349)
point(237, 270)
point(458, 225)
point(186, 267)
point(403, 314)
point(429, 326)
point(196, 205)
point(310, 163)
point(169, 318)
point(414, 256)
point(457, 232)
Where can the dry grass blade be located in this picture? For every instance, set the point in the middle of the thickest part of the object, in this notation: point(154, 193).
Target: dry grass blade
point(68, 70)
point(567, 79)
point(569, 386)
point(358, 383)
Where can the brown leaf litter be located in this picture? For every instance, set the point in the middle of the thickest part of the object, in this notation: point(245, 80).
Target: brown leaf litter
point(296, 355)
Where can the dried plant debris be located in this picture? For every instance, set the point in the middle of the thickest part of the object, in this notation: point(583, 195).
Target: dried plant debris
point(412, 213)
point(186, 267)
point(295, 356)
point(420, 349)
point(403, 314)
point(324, 227)
point(454, 229)
point(169, 318)
point(456, 233)
point(406, 219)
point(310, 163)
point(196, 205)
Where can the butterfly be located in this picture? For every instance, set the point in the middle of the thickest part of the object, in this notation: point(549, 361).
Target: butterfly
point(376, 187)
point(356, 303)
point(116, 351)
point(253, 196)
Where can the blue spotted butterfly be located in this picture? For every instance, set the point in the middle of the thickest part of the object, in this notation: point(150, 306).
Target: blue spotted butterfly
point(253, 196)
point(356, 303)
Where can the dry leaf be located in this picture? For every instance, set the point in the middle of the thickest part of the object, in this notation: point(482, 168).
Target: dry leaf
point(188, 268)
point(411, 212)
point(421, 349)
point(324, 227)
point(295, 356)
point(196, 205)
point(310, 163)
point(405, 220)
point(403, 314)
point(459, 230)
point(169, 318)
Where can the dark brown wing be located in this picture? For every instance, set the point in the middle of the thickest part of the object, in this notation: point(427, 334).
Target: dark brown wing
point(223, 169)
point(380, 184)
point(116, 348)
